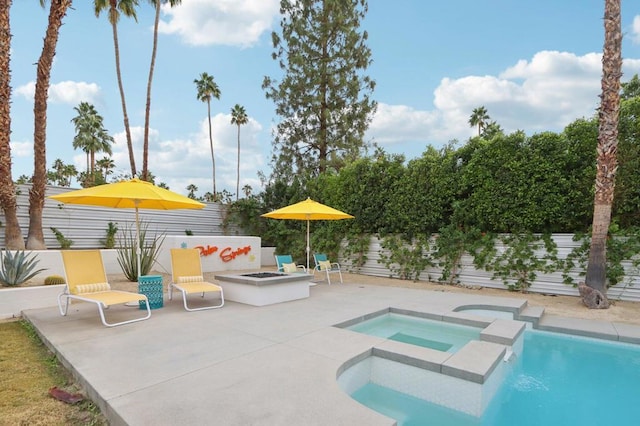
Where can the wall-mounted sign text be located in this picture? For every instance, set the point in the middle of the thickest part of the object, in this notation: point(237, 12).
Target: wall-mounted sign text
point(227, 254)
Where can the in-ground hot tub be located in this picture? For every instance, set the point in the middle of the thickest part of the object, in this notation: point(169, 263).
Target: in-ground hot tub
point(264, 288)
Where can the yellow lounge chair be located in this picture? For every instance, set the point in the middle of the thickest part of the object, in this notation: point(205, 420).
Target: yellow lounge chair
point(87, 282)
point(186, 272)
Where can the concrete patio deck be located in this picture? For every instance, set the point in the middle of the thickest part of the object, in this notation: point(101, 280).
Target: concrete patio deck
point(247, 365)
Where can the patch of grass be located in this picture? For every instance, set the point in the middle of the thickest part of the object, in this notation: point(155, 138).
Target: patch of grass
point(27, 371)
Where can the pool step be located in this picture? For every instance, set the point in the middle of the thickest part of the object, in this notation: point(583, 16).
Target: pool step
point(474, 362)
point(531, 314)
point(504, 332)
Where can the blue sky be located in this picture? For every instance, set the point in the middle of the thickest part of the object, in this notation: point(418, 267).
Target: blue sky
point(535, 66)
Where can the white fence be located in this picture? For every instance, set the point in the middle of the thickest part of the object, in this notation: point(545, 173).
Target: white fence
point(86, 226)
point(628, 289)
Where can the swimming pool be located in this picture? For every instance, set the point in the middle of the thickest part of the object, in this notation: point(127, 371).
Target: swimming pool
point(557, 380)
point(438, 335)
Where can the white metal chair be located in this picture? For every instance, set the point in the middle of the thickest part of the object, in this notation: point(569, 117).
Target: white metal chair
point(325, 265)
point(287, 265)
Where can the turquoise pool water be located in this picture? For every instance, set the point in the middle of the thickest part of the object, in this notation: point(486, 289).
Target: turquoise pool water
point(558, 380)
point(438, 335)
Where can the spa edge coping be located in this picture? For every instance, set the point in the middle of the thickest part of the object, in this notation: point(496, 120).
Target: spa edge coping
point(474, 362)
point(478, 359)
point(277, 278)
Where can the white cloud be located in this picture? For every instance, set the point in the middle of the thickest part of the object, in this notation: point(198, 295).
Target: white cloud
point(68, 92)
point(545, 93)
point(21, 148)
point(399, 123)
point(225, 22)
point(635, 30)
point(180, 162)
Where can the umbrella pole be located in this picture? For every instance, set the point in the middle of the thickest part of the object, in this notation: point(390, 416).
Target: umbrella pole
point(308, 248)
point(138, 248)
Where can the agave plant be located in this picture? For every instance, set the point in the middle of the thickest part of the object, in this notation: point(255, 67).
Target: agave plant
point(17, 268)
point(128, 248)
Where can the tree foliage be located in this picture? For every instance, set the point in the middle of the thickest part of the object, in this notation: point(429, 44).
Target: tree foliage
point(239, 117)
point(323, 98)
point(114, 9)
point(91, 136)
point(516, 183)
point(467, 199)
point(207, 88)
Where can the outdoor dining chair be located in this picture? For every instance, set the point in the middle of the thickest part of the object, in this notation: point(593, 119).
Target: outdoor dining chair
point(325, 265)
point(286, 264)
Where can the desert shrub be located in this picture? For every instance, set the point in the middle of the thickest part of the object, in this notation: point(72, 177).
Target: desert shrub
point(17, 268)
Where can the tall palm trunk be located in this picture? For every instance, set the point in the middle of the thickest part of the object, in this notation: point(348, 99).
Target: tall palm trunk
point(12, 233)
point(213, 158)
point(145, 149)
point(132, 160)
point(35, 239)
point(238, 168)
point(607, 147)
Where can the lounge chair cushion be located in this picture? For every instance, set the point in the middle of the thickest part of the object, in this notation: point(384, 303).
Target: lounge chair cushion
point(190, 279)
point(324, 265)
point(91, 288)
point(289, 268)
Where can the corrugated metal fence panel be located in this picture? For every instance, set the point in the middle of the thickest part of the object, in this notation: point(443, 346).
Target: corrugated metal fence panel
point(629, 289)
point(86, 226)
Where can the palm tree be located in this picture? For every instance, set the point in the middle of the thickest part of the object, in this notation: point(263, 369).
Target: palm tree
point(61, 173)
point(207, 88)
point(56, 176)
point(12, 233)
point(191, 188)
point(69, 172)
point(57, 11)
point(84, 123)
point(607, 163)
point(128, 8)
point(238, 117)
point(479, 117)
point(91, 136)
point(145, 147)
point(106, 166)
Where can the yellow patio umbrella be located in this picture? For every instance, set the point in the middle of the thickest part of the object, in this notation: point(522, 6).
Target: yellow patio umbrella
point(308, 210)
point(129, 194)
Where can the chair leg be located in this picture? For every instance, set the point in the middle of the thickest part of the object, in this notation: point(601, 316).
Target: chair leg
point(64, 311)
point(101, 308)
point(186, 306)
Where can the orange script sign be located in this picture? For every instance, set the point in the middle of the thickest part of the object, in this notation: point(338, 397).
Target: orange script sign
point(227, 254)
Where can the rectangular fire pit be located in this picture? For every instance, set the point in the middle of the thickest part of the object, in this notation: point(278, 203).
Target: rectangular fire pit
point(264, 288)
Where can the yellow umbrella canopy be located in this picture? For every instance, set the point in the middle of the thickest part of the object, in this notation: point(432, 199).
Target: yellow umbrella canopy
point(129, 194)
point(308, 210)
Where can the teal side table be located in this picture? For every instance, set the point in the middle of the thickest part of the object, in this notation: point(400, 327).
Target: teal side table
point(151, 286)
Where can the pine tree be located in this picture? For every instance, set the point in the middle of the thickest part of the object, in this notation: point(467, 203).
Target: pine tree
point(323, 99)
